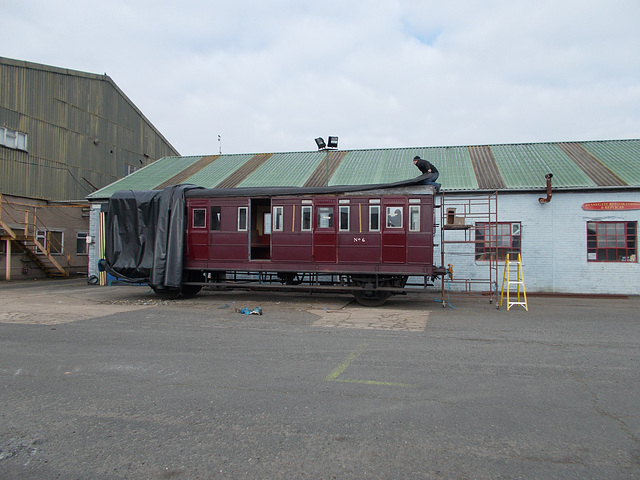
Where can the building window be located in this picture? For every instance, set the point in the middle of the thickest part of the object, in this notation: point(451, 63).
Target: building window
point(394, 217)
point(216, 218)
point(199, 218)
point(81, 243)
point(13, 139)
point(414, 218)
point(306, 219)
point(497, 238)
point(277, 219)
point(344, 218)
point(242, 219)
point(612, 241)
point(325, 217)
point(374, 218)
point(51, 240)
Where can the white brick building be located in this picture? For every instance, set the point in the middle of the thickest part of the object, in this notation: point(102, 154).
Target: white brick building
point(581, 239)
point(556, 247)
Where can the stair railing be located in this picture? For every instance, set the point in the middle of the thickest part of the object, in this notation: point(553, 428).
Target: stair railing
point(31, 225)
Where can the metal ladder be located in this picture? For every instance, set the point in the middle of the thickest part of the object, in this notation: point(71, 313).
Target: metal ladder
point(519, 282)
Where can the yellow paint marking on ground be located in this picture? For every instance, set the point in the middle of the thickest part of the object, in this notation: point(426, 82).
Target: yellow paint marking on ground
point(348, 361)
point(333, 376)
point(373, 382)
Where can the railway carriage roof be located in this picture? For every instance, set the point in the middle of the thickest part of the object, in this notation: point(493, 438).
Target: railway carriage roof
point(592, 165)
point(405, 187)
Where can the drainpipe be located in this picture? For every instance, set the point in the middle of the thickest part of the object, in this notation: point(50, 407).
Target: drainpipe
point(543, 200)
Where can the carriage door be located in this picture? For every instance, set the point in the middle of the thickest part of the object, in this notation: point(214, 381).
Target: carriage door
point(198, 229)
point(324, 232)
point(394, 237)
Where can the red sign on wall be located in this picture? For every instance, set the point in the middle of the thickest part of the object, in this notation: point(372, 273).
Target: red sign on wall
point(611, 206)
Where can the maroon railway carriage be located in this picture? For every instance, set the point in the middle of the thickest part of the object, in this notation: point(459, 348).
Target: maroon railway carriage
point(364, 240)
point(369, 242)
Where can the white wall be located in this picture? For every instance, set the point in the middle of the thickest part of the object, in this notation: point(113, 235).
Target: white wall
point(93, 247)
point(554, 244)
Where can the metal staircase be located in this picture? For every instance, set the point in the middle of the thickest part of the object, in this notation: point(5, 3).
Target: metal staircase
point(49, 255)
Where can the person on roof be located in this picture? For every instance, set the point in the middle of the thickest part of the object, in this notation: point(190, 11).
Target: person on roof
point(427, 167)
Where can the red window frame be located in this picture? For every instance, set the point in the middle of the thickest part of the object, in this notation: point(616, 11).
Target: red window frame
point(612, 242)
point(498, 237)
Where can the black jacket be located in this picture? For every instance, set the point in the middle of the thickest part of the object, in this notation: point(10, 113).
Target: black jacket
point(424, 166)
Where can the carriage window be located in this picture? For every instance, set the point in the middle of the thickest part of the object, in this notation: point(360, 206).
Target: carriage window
point(344, 218)
point(277, 219)
point(414, 218)
point(394, 217)
point(199, 217)
point(374, 218)
point(242, 219)
point(267, 223)
point(325, 217)
point(306, 218)
point(216, 213)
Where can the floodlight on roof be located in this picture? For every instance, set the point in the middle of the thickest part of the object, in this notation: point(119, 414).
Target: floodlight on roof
point(332, 142)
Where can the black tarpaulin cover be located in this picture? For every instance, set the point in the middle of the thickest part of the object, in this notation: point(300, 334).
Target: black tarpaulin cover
point(145, 228)
point(145, 235)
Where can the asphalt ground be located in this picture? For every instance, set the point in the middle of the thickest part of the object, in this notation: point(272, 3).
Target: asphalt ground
point(112, 383)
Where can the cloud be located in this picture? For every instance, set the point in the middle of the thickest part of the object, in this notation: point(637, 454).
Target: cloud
point(272, 76)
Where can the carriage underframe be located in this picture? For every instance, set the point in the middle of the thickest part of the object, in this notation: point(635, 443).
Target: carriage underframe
point(368, 289)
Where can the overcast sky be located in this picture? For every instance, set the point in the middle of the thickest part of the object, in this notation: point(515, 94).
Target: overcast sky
point(270, 76)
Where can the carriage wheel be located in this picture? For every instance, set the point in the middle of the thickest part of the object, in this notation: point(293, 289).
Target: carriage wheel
point(192, 290)
point(371, 298)
point(165, 293)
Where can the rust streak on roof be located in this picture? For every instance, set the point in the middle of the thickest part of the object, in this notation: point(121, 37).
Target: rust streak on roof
point(486, 169)
point(244, 171)
point(591, 166)
point(319, 176)
point(188, 172)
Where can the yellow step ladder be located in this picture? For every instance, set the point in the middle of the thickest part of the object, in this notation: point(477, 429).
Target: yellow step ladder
point(519, 282)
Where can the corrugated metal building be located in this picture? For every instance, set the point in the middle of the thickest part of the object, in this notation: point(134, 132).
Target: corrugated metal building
point(573, 241)
point(63, 134)
point(595, 165)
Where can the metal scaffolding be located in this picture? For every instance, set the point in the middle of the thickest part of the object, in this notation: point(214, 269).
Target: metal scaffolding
point(465, 214)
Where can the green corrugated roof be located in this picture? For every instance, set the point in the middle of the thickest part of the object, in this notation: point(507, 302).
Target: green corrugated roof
point(216, 172)
point(621, 157)
point(524, 166)
point(575, 165)
point(454, 165)
point(149, 177)
point(284, 170)
point(361, 167)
